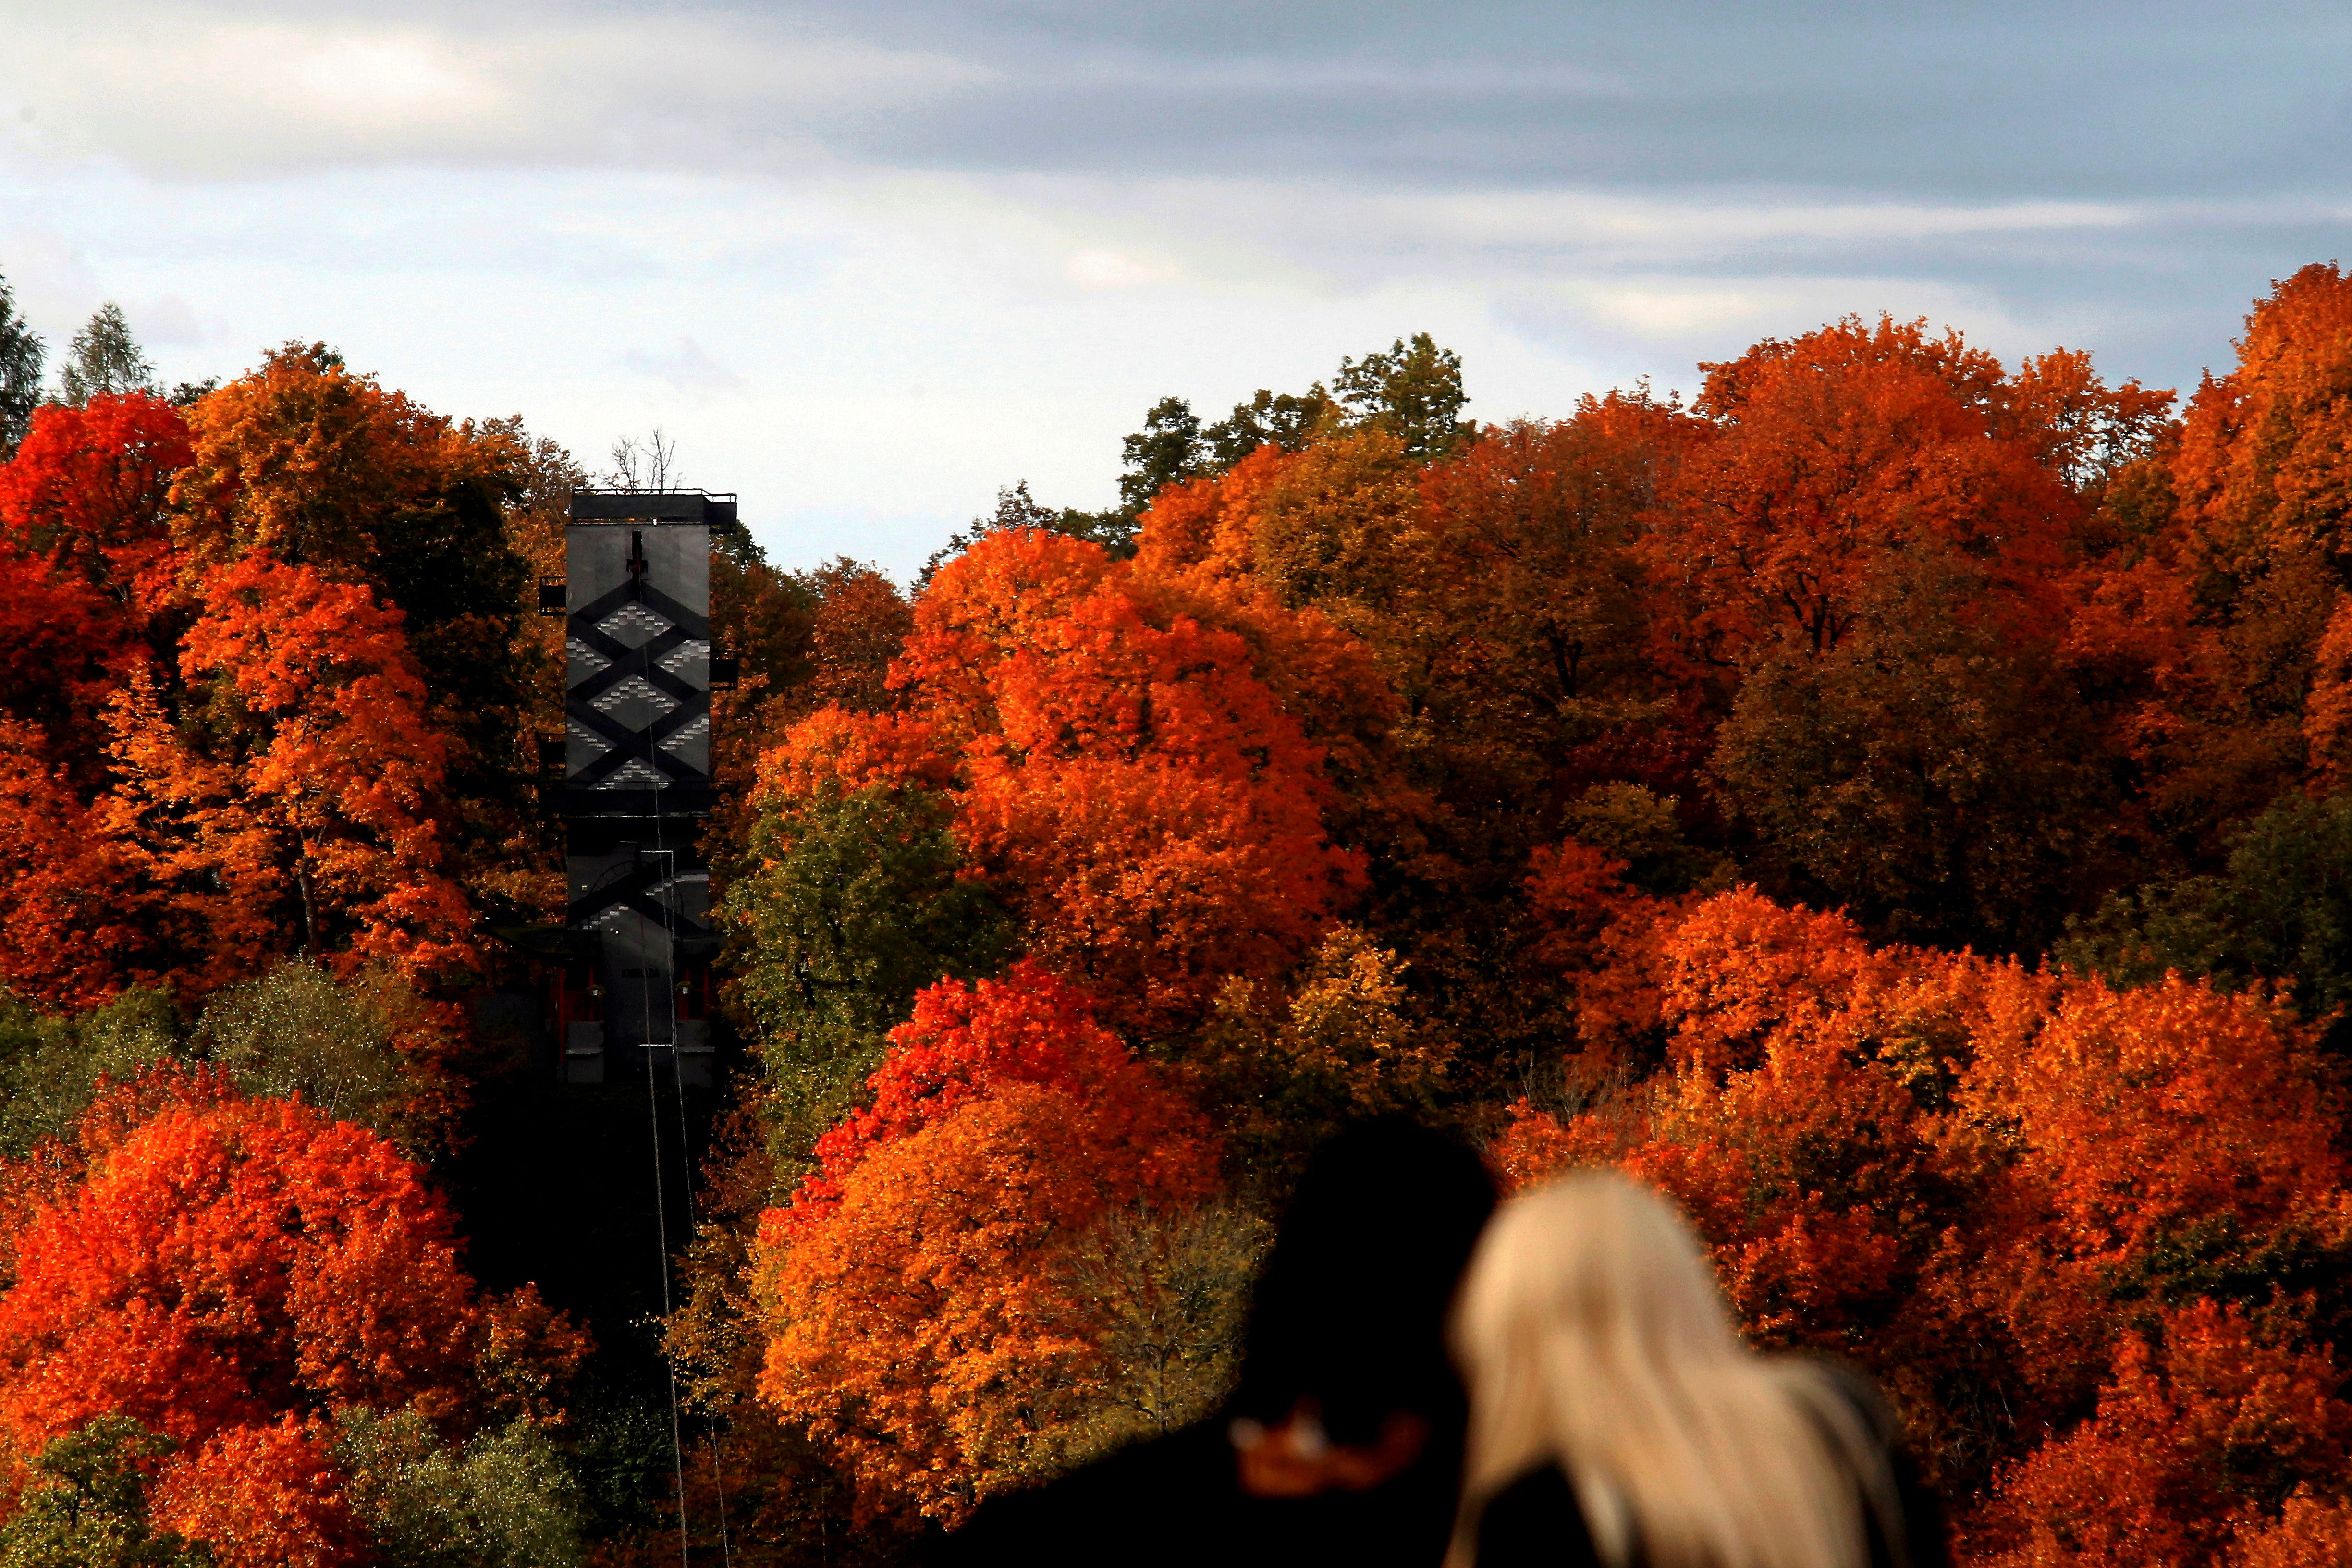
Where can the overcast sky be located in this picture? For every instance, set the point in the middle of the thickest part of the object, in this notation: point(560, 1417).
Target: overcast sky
point(865, 262)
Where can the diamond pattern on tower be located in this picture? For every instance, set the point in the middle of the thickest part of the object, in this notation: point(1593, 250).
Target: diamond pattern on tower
point(693, 729)
point(684, 654)
point(636, 689)
point(588, 660)
point(632, 623)
point(632, 775)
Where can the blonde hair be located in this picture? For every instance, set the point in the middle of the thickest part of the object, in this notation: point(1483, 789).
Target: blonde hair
point(1592, 1335)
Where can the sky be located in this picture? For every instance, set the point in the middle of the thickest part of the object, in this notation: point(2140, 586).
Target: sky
point(866, 261)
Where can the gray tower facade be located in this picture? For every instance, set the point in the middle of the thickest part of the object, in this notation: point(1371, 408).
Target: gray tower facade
point(636, 781)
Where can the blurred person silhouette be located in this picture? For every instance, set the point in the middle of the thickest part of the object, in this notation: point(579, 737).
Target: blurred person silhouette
point(1617, 1421)
point(1343, 1441)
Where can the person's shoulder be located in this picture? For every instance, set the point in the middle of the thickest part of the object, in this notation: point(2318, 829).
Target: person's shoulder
point(1534, 1519)
point(1161, 1484)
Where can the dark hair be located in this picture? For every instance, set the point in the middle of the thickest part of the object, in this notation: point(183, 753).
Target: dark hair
point(1351, 1308)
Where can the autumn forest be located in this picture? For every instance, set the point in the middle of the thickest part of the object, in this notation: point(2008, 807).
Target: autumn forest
point(1896, 802)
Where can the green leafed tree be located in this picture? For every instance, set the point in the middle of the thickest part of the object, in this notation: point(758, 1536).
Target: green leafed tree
point(298, 1031)
point(50, 1067)
point(1016, 508)
point(2281, 910)
point(1286, 419)
point(1414, 391)
point(859, 900)
point(1174, 446)
point(503, 1500)
point(87, 1507)
point(1166, 451)
point(1641, 828)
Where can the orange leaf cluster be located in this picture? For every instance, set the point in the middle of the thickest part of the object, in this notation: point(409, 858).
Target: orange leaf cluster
point(262, 1495)
point(916, 1324)
point(221, 746)
point(1120, 771)
point(1833, 449)
point(226, 1261)
point(1968, 1176)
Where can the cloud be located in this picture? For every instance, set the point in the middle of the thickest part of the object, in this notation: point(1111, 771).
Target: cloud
point(1978, 103)
point(1049, 213)
point(1117, 269)
point(216, 93)
point(686, 368)
point(166, 318)
point(48, 275)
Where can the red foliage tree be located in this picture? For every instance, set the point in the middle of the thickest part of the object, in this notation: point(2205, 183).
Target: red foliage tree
point(2197, 1433)
point(963, 1043)
point(88, 490)
point(261, 1497)
point(83, 547)
point(223, 1263)
point(320, 781)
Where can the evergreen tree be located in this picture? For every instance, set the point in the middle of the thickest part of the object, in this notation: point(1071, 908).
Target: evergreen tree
point(103, 358)
point(21, 356)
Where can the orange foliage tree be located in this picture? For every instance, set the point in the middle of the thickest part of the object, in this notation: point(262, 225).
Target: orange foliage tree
point(1119, 773)
point(303, 461)
point(2263, 467)
point(2229, 562)
point(2310, 1532)
point(303, 814)
point(258, 669)
point(916, 1324)
point(964, 1042)
point(1971, 1177)
point(330, 772)
point(80, 921)
point(261, 1496)
point(226, 1261)
point(1830, 451)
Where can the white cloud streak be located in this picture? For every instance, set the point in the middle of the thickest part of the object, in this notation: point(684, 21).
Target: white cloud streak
point(183, 93)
